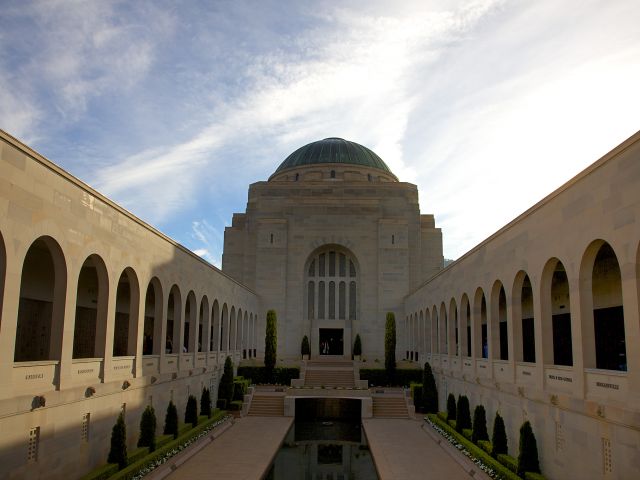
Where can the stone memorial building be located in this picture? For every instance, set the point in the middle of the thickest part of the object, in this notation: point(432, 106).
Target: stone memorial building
point(101, 314)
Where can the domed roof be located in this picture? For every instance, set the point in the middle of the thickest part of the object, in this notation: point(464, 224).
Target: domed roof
point(333, 150)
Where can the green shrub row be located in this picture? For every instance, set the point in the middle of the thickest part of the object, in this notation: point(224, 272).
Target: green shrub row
point(509, 462)
point(141, 458)
point(259, 375)
point(240, 387)
point(377, 377)
point(476, 451)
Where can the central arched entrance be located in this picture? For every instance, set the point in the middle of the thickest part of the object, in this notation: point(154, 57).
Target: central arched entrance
point(331, 300)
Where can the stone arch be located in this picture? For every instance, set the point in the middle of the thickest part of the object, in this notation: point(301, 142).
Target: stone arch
point(604, 341)
point(43, 285)
point(152, 330)
point(174, 319)
point(215, 321)
point(523, 318)
point(421, 332)
point(454, 328)
point(3, 272)
point(245, 334)
point(465, 326)
point(443, 329)
point(190, 323)
point(557, 346)
point(480, 318)
point(331, 276)
point(238, 338)
point(499, 323)
point(125, 332)
point(204, 326)
point(92, 297)
point(435, 328)
point(224, 329)
point(232, 329)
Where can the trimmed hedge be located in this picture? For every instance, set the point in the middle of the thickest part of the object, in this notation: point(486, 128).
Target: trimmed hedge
point(486, 446)
point(467, 433)
point(474, 449)
point(508, 461)
point(377, 377)
point(110, 471)
point(235, 406)
point(258, 375)
point(533, 476)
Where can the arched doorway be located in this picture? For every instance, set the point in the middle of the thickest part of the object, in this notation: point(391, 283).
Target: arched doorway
point(331, 299)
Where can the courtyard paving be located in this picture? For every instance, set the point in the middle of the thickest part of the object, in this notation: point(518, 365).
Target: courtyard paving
point(402, 450)
point(243, 452)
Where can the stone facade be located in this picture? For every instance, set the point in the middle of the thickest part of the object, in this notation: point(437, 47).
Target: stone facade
point(88, 296)
point(541, 322)
point(337, 218)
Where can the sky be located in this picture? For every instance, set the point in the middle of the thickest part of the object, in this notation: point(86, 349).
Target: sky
point(173, 108)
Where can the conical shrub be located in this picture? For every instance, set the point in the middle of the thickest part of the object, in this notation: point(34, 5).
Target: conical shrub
point(498, 437)
point(451, 407)
point(270, 344)
point(429, 390)
point(191, 412)
point(205, 403)
point(148, 429)
point(479, 431)
point(171, 421)
point(463, 415)
point(390, 347)
point(528, 456)
point(225, 392)
point(118, 451)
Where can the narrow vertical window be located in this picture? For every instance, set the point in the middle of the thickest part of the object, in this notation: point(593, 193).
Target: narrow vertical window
point(393, 239)
point(607, 463)
point(343, 265)
point(272, 238)
point(332, 264)
point(321, 264)
point(321, 300)
point(352, 269)
point(342, 307)
point(332, 300)
point(311, 301)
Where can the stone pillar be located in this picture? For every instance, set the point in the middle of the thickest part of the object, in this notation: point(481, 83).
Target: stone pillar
point(68, 328)
point(630, 300)
point(107, 368)
point(9, 319)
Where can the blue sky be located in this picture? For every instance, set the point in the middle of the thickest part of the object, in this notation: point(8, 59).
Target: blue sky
point(172, 108)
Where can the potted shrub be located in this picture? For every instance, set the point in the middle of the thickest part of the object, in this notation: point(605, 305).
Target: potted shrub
point(357, 348)
point(305, 349)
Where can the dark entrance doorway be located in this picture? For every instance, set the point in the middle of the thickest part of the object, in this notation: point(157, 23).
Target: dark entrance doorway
point(331, 341)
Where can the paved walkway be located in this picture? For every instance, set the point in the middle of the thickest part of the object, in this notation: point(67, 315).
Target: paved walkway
point(244, 452)
point(401, 450)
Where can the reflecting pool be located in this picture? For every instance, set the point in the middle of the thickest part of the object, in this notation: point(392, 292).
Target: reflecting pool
point(316, 450)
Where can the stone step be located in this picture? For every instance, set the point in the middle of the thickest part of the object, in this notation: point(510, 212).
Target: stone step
point(390, 407)
point(336, 378)
point(267, 406)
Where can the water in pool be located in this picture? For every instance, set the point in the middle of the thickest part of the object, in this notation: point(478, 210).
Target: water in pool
point(316, 450)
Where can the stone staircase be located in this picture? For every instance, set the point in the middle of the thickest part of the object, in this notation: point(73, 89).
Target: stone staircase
point(389, 407)
point(329, 373)
point(265, 405)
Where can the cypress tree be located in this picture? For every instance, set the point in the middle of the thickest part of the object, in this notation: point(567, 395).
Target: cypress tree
point(390, 347)
point(205, 403)
point(479, 425)
point(118, 451)
point(451, 407)
point(305, 349)
point(148, 429)
point(463, 415)
point(429, 390)
point(270, 344)
point(528, 455)
point(171, 421)
point(498, 437)
point(357, 345)
point(225, 392)
point(191, 412)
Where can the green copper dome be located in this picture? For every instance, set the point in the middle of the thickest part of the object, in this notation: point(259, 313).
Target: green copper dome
point(333, 150)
